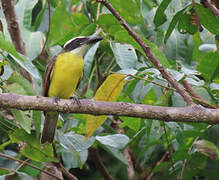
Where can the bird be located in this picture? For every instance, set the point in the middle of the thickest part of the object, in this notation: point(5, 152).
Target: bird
point(62, 76)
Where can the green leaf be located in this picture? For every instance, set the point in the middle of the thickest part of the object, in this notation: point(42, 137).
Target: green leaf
point(74, 142)
point(74, 149)
point(207, 64)
point(31, 171)
point(33, 43)
point(163, 166)
point(177, 100)
point(88, 60)
point(173, 23)
point(185, 24)
point(24, 119)
point(33, 148)
point(123, 36)
point(26, 86)
point(38, 19)
point(37, 116)
point(72, 159)
point(207, 148)
point(116, 153)
point(25, 64)
point(117, 141)
point(125, 55)
point(206, 60)
point(181, 155)
point(131, 87)
point(27, 7)
point(131, 122)
point(6, 45)
point(128, 10)
point(207, 19)
point(150, 97)
point(179, 46)
point(106, 21)
point(61, 28)
point(202, 92)
point(79, 19)
point(88, 29)
point(160, 17)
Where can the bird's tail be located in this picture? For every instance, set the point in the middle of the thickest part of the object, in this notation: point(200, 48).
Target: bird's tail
point(49, 127)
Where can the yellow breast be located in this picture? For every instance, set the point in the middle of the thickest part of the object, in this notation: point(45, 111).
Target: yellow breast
point(66, 74)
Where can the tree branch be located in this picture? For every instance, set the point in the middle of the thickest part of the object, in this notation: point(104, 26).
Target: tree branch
point(127, 155)
point(190, 90)
point(15, 33)
point(28, 164)
point(149, 53)
point(88, 106)
point(93, 153)
point(211, 6)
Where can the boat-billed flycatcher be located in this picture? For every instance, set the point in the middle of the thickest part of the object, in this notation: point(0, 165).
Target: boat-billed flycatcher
point(62, 76)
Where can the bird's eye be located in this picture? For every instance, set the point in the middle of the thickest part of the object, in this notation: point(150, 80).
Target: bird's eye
point(77, 40)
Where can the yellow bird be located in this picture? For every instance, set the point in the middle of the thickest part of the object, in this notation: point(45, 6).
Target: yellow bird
point(62, 76)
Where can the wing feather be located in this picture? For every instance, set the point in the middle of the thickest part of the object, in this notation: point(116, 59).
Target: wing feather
point(48, 75)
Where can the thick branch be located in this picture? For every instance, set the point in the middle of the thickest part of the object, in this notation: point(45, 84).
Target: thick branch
point(177, 114)
point(149, 53)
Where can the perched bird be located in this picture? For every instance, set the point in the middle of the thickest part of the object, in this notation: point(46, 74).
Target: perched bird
point(62, 76)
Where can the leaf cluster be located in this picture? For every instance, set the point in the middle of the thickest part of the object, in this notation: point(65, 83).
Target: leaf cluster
point(116, 69)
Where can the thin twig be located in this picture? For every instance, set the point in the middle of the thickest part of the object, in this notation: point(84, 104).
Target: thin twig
point(66, 173)
point(169, 149)
point(137, 77)
point(185, 161)
point(189, 151)
point(149, 53)
point(197, 17)
point(7, 169)
point(166, 154)
point(126, 151)
point(21, 165)
point(98, 11)
point(99, 164)
point(28, 164)
point(109, 66)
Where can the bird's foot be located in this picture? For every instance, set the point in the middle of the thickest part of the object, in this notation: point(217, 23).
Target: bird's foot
point(75, 100)
point(56, 99)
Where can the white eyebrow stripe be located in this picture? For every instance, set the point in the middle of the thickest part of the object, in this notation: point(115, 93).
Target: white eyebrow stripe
point(69, 41)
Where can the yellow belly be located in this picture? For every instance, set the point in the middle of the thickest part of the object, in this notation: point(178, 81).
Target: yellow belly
point(67, 72)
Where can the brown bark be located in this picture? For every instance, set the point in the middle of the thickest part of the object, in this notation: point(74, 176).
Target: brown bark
point(88, 106)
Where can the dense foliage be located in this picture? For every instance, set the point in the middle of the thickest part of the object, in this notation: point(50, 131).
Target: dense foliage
point(158, 150)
